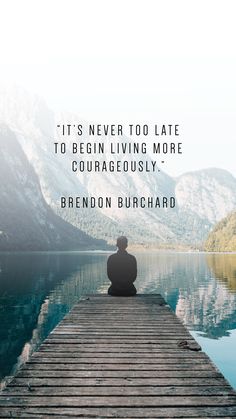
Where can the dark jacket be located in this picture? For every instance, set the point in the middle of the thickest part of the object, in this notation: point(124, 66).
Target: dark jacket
point(122, 271)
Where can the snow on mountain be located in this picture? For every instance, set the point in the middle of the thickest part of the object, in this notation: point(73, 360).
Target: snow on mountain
point(209, 193)
point(202, 197)
point(26, 221)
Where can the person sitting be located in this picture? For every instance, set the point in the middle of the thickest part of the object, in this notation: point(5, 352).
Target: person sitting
point(122, 270)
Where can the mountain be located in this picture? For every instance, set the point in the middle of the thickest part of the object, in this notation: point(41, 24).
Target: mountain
point(26, 220)
point(209, 193)
point(202, 197)
point(223, 236)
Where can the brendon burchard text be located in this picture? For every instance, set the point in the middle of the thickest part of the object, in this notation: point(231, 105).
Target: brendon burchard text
point(117, 202)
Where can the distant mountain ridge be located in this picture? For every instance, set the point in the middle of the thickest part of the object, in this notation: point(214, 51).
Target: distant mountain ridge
point(206, 193)
point(202, 197)
point(26, 221)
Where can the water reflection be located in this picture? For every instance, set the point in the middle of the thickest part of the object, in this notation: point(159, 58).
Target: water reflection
point(223, 268)
point(37, 289)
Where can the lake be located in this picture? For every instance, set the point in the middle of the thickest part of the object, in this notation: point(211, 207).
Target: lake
point(38, 289)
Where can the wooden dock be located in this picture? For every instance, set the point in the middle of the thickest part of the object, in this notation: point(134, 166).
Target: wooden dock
point(119, 357)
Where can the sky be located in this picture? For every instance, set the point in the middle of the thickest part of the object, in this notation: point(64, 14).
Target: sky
point(160, 61)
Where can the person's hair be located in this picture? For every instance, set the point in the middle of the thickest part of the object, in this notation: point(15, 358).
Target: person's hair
point(122, 242)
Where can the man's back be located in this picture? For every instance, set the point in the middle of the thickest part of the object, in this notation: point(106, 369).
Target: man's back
point(122, 272)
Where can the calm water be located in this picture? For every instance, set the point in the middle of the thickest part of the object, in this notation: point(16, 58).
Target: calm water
point(37, 289)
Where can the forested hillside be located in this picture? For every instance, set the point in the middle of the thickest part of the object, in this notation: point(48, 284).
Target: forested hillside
point(223, 236)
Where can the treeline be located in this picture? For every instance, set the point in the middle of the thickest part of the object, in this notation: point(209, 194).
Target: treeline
point(223, 236)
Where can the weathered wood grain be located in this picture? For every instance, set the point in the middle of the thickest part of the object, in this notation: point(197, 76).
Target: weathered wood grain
point(48, 351)
point(121, 412)
point(116, 358)
point(119, 357)
point(117, 391)
point(117, 401)
point(120, 382)
point(33, 371)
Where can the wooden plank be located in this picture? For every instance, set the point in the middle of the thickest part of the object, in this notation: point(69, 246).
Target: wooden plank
point(75, 366)
point(120, 367)
point(120, 412)
point(125, 328)
point(118, 401)
point(59, 352)
point(138, 298)
point(89, 322)
point(118, 391)
point(129, 313)
point(87, 417)
point(142, 338)
point(117, 360)
point(116, 348)
point(122, 315)
point(101, 358)
point(142, 335)
point(113, 324)
point(104, 334)
point(120, 382)
point(119, 309)
point(158, 340)
point(32, 371)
